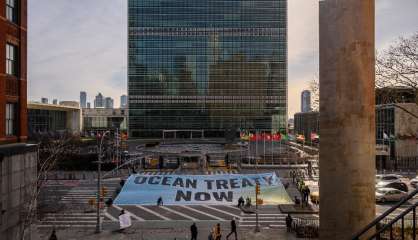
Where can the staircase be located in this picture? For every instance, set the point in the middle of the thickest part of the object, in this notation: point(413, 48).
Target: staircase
point(402, 226)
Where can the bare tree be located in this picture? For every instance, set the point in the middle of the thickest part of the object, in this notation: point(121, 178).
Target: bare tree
point(397, 66)
point(50, 151)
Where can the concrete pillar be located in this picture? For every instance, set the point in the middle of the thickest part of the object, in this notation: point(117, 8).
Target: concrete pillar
point(347, 117)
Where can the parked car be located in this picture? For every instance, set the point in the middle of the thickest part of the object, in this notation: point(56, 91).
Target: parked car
point(388, 178)
point(389, 195)
point(414, 182)
point(396, 185)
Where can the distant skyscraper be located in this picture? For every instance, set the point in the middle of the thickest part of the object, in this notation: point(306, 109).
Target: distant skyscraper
point(123, 101)
point(306, 101)
point(217, 66)
point(44, 100)
point(88, 105)
point(55, 101)
point(108, 102)
point(83, 99)
point(99, 101)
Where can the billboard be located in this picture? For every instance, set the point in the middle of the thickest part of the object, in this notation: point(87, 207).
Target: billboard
point(201, 189)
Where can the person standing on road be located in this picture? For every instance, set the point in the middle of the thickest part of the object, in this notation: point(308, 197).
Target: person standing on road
point(218, 234)
point(53, 235)
point(289, 221)
point(233, 230)
point(160, 201)
point(193, 231)
point(308, 192)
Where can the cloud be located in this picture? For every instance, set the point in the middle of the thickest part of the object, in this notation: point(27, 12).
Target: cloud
point(76, 45)
point(81, 45)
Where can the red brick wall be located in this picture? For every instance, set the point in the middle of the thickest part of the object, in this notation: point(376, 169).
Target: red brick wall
point(13, 89)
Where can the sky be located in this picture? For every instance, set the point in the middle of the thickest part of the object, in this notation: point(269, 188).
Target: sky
point(80, 45)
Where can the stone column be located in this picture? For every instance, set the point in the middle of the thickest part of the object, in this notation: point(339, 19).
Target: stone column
point(347, 117)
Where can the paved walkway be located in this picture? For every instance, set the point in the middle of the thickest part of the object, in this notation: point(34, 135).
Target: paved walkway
point(177, 231)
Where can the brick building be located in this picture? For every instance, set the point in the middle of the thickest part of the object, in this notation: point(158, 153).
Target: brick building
point(18, 160)
point(13, 71)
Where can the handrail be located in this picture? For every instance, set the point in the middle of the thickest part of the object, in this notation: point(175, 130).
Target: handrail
point(408, 210)
point(385, 214)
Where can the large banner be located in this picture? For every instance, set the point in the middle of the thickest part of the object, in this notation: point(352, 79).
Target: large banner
point(201, 189)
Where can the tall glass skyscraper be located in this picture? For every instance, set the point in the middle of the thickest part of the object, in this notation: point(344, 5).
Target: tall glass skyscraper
point(212, 65)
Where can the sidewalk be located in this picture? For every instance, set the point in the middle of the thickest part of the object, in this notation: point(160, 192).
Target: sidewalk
point(177, 231)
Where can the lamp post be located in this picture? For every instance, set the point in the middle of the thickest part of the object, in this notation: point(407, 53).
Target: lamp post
point(99, 170)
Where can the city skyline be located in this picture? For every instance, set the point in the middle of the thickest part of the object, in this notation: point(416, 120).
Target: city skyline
point(100, 43)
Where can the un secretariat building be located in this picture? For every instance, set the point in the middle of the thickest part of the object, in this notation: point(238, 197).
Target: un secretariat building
point(210, 65)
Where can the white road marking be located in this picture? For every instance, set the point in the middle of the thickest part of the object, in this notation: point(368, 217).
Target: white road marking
point(179, 213)
point(133, 215)
point(203, 213)
point(105, 213)
point(221, 211)
point(66, 226)
point(66, 221)
point(153, 213)
point(231, 206)
point(66, 217)
point(260, 221)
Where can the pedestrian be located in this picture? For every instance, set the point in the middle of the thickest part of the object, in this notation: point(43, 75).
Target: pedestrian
point(303, 193)
point(218, 233)
point(160, 201)
point(109, 202)
point(211, 234)
point(233, 230)
point(293, 173)
point(124, 220)
point(289, 223)
point(53, 235)
point(193, 231)
point(308, 193)
point(240, 202)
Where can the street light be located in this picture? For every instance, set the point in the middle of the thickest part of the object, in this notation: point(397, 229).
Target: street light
point(99, 170)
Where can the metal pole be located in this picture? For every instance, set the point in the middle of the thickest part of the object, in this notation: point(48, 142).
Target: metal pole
point(99, 170)
point(257, 227)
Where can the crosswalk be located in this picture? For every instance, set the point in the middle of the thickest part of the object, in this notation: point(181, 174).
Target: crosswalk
point(142, 213)
point(81, 194)
point(74, 195)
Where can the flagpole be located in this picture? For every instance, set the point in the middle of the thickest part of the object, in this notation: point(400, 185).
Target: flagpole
point(256, 146)
point(264, 146)
point(272, 150)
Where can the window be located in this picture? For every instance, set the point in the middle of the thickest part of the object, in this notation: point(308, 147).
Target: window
point(11, 61)
point(10, 119)
point(11, 10)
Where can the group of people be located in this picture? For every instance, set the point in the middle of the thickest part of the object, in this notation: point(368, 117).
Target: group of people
point(297, 175)
point(215, 233)
point(297, 178)
point(306, 192)
point(242, 203)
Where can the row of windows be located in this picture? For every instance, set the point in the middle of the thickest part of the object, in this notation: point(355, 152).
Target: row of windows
point(11, 68)
point(215, 18)
point(206, 3)
point(187, 23)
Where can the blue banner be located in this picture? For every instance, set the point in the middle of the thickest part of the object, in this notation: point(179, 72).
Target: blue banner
point(201, 189)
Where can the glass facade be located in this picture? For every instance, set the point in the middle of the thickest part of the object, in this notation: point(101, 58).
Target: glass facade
point(212, 65)
point(44, 121)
